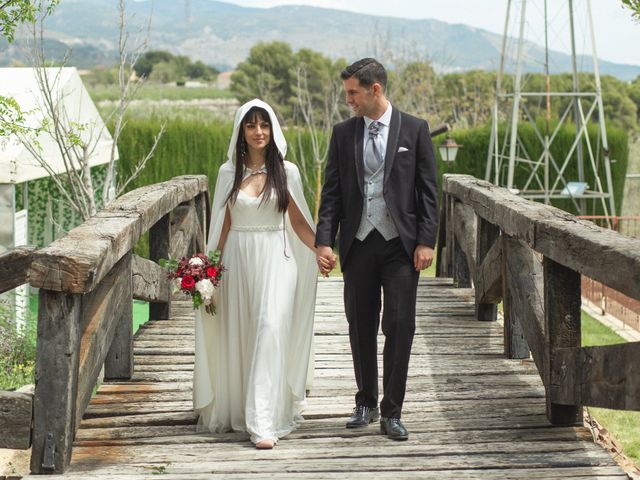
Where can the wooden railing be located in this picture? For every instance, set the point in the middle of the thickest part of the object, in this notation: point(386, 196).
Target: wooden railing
point(15, 407)
point(88, 280)
point(530, 256)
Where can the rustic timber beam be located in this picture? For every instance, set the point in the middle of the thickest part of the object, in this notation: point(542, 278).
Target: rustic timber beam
point(449, 236)
point(562, 329)
point(515, 343)
point(150, 282)
point(16, 412)
point(98, 327)
point(159, 245)
point(441, 264)
point(15, 265)
point(488, 282)
point(54, 400)
point(524, 277)
point(602, 376)
point(201, 203)
point(78, 261)
point(183, 231)
point(579, 245)
point(118, 364)
point(465, 229)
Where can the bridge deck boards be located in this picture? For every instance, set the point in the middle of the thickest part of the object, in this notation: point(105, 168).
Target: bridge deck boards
point(471, 413)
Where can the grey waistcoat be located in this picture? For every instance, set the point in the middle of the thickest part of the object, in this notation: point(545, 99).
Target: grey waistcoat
point(374, 212)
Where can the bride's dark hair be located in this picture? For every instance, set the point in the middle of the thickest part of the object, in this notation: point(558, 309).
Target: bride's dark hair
point(276, 174)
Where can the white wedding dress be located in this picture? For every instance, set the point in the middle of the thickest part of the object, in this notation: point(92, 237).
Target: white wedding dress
point(253, 358)
point(254, 321)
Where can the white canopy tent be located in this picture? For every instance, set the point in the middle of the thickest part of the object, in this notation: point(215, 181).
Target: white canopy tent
point(17, 164)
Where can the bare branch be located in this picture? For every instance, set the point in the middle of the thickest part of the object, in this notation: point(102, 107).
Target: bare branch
point(143, 162)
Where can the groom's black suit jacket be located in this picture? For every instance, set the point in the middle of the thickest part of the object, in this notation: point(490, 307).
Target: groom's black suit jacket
point(409, 184)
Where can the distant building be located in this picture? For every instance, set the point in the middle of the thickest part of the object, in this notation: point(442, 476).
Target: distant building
point(224, 79)
point(28, 202)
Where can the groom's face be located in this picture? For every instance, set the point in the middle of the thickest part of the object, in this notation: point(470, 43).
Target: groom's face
point(361, 100)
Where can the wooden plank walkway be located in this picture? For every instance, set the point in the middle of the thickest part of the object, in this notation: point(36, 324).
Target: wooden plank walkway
point(471, 413)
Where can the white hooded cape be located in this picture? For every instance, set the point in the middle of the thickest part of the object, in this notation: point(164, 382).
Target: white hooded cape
point(300, 352)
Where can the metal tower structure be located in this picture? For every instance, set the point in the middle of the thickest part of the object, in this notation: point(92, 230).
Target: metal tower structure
point(547, 177)
point(187, 12)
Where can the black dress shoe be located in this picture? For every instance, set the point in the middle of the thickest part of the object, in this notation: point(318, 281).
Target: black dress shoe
point(362, 416)
point(393, 428)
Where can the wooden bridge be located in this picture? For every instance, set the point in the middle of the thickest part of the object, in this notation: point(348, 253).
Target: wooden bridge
point(477, 406)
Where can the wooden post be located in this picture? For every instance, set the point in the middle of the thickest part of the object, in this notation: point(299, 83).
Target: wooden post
point(119, 361)
point(487, 235)
point(448, 260)
point(159, 244)
point(461, 273)
point(562, 329)
point(195, 228)
point(16, 415)
point(201, 215)
point(515, 342)
point(54, 401)
point(441, 264)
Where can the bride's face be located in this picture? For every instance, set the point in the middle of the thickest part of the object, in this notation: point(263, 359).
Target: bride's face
point(257, 133)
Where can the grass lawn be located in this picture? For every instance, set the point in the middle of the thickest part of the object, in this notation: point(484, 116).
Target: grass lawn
point(624, 425)
point(151, 91)
point(140, 314)
point(140, 311)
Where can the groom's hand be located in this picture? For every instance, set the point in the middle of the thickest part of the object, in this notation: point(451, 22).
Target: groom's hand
point(325, 259)
point(422, 257)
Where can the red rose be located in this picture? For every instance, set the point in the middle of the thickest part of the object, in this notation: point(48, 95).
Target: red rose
point(188, 283)
point(212, 272)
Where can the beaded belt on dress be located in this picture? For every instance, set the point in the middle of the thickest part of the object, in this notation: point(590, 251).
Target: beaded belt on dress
point(256, 228)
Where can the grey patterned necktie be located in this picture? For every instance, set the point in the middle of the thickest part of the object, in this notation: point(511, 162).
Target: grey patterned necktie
point(372, 154)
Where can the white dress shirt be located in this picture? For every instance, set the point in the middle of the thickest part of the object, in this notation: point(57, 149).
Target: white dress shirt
point(383, 135)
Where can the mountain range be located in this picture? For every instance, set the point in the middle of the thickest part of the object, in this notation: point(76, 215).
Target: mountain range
point(221, 34)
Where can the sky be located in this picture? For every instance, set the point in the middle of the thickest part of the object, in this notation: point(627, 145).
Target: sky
point(617, 35)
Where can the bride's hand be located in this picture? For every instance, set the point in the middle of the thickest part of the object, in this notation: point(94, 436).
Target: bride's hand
point(325, 259)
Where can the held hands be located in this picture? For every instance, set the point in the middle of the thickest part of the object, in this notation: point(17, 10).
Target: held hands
point(422, 257)
point(325, 259)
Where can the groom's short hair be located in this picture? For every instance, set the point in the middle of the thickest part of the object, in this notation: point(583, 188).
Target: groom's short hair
point(368, 71)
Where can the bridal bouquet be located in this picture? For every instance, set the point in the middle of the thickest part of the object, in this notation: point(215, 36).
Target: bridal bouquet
point(198, 277)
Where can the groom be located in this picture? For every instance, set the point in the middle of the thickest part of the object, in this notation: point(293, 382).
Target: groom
point(380, 192)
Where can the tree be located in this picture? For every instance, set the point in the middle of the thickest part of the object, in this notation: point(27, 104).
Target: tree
point(146, 62)
point(634, 95)
point(267, 73)
point(318, 94)
point(414, 88)
point(199, 70)
point(165, 72)
point(12, 14)
point(16, 12)
point(76, 142)
point(634, 6)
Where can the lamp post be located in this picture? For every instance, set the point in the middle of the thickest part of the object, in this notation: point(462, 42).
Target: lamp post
point(448, 151)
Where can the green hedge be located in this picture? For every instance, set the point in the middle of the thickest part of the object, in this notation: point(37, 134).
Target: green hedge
point(192, 147)
point(472, 158)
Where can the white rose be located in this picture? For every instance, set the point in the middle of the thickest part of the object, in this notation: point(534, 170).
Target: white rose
point(177, 284)
point(206, 289)
point(196, 261)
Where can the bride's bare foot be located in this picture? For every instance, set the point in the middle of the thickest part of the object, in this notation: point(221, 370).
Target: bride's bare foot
point(266, 444)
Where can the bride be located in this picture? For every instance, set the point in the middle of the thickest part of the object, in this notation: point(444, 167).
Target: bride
point(252, 358)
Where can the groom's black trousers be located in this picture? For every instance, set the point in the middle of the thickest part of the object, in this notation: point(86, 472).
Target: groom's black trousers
point(376, 264)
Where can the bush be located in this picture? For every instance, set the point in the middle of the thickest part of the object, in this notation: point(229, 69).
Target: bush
point(199, 147)
point(472, 159)
point(17, 350)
